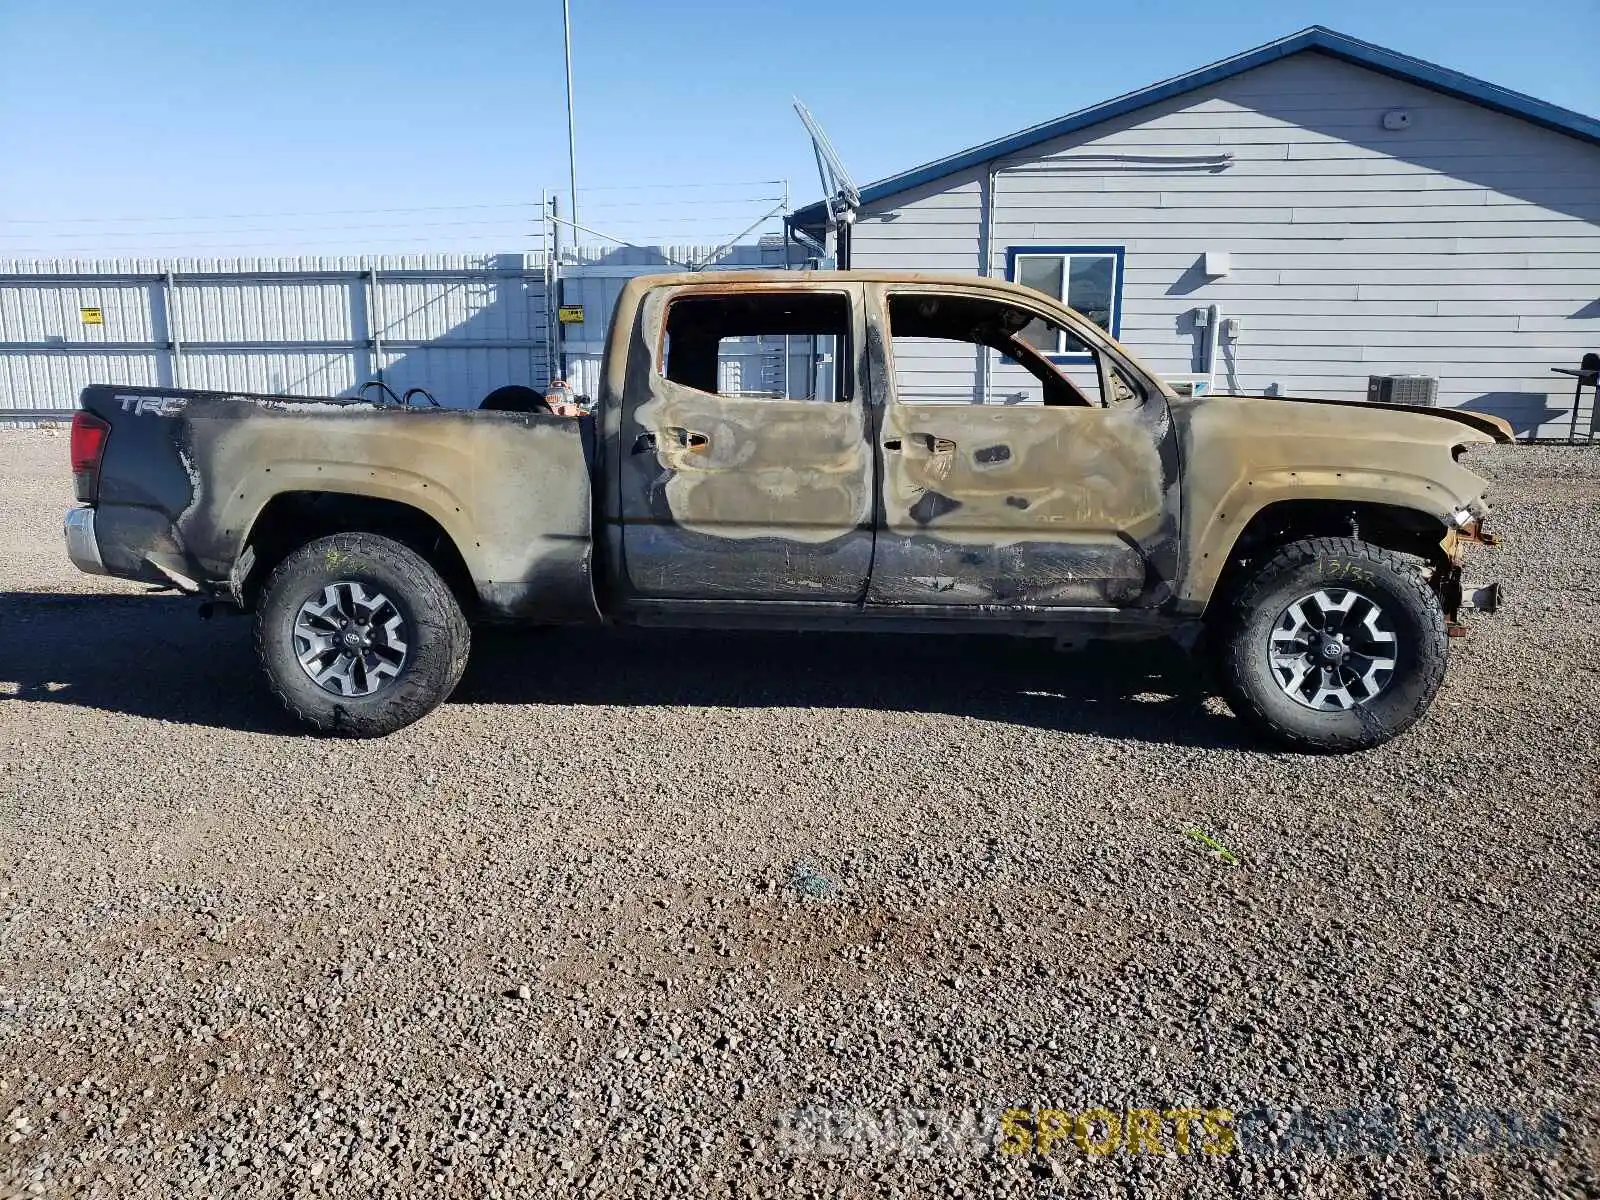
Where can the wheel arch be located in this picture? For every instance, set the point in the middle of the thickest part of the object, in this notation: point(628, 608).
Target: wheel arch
point(291, 519)
point(1398, 527)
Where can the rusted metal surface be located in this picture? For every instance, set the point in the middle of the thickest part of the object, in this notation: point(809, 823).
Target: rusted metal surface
point(1242, 454)
point(1035, 505)
point(1022, 507)
point(510, 490)
point(1498, 429)
point(974, 506)
point(864, 504)
point(741, 498)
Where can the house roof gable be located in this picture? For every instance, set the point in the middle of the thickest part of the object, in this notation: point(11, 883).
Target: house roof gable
point(1317, 39)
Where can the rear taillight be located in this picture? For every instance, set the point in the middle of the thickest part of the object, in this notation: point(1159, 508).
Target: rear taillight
point(89, 435)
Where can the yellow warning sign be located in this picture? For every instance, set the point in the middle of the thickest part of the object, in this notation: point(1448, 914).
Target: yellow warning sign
point(92, 316)
point(570, 314)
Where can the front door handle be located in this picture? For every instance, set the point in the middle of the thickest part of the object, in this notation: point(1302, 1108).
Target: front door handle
point(684, 439)
point(892, 444)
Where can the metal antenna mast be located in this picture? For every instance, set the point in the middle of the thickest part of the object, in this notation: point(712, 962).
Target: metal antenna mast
point(572, 136)
point(836, 182)
point(839, 191)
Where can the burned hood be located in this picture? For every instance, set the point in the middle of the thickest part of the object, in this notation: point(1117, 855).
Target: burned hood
point(1495, 428)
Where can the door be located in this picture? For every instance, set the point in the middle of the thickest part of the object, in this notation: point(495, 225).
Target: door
point(1022, 466)
point(746, 463)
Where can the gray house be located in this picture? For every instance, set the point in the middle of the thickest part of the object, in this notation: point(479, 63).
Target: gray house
point(1293, 220)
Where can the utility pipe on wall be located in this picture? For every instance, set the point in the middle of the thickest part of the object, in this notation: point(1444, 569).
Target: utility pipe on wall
point(1213, 325)
point(986, 265)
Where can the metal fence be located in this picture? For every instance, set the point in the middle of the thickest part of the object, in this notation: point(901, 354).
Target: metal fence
point(457, 325)
point(592, 278)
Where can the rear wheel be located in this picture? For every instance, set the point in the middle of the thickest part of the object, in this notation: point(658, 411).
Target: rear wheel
point(1332, 644)
point(359, 636)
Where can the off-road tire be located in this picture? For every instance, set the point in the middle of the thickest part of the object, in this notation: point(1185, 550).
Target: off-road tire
point(438, 637)
point(1253, 607)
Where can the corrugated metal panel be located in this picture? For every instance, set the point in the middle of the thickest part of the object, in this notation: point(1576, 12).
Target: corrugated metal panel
point(500, 309)
point(598, 274)
point(294, 264)
point(42, 312)
point(459, 325)
point(459, 377)
point(53, 380)
point(288, 372)
point(257, 310)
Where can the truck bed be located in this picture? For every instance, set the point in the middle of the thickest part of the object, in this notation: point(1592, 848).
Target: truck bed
point(190, 481)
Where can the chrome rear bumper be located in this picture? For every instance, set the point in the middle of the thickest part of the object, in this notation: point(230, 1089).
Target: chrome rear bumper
point(83, 548)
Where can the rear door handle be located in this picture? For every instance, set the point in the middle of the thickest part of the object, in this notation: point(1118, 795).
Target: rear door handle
point(936, 445)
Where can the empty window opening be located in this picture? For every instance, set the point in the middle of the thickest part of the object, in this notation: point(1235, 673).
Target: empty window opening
point(761, 345)
point(940, 343)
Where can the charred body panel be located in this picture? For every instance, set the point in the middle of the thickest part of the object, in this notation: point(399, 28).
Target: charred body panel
point(1243, 454)
point(1048, 506)
point(633, 345)
point(741, 497)
point(1024, 513)
point(182, 487)
point(1027, 506)
point(1496, 429)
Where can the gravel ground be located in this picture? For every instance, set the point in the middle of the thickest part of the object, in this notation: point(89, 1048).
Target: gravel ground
point(748, 915)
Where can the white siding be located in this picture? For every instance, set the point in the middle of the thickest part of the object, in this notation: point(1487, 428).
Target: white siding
point(1466, 247)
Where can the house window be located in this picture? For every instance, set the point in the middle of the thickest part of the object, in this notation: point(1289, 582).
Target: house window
point(1087, 278)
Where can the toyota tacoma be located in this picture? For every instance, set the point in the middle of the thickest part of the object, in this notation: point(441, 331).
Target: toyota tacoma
point(925, 454)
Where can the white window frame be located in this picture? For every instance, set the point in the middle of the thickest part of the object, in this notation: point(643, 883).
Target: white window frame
point(1014, 254)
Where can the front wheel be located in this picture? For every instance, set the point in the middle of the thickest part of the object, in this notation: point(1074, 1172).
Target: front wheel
point(359, 636)
point(1332, 645)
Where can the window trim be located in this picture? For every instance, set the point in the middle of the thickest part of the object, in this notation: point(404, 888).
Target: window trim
point(845, 357)
point(1053, 361)
point(1116, 253)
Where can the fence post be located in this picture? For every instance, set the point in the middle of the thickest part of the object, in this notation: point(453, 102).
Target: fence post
point(374, 315)
point(174, 339)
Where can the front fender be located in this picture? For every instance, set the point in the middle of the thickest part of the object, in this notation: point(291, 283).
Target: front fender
point(1241, 455)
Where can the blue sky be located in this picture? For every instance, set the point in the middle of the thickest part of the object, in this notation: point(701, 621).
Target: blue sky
point(197, 127)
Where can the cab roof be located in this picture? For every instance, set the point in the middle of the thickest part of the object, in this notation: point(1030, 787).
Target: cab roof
point(735, 280)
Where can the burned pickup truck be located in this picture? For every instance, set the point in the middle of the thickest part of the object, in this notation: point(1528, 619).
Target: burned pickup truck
point(927, 454)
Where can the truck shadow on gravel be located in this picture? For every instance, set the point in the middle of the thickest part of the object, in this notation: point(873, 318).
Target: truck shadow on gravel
point(148, 656)
point(1151, 692)
point(151, 656)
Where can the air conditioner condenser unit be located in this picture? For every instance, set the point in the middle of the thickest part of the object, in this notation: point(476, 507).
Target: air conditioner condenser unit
point(1403, 389)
